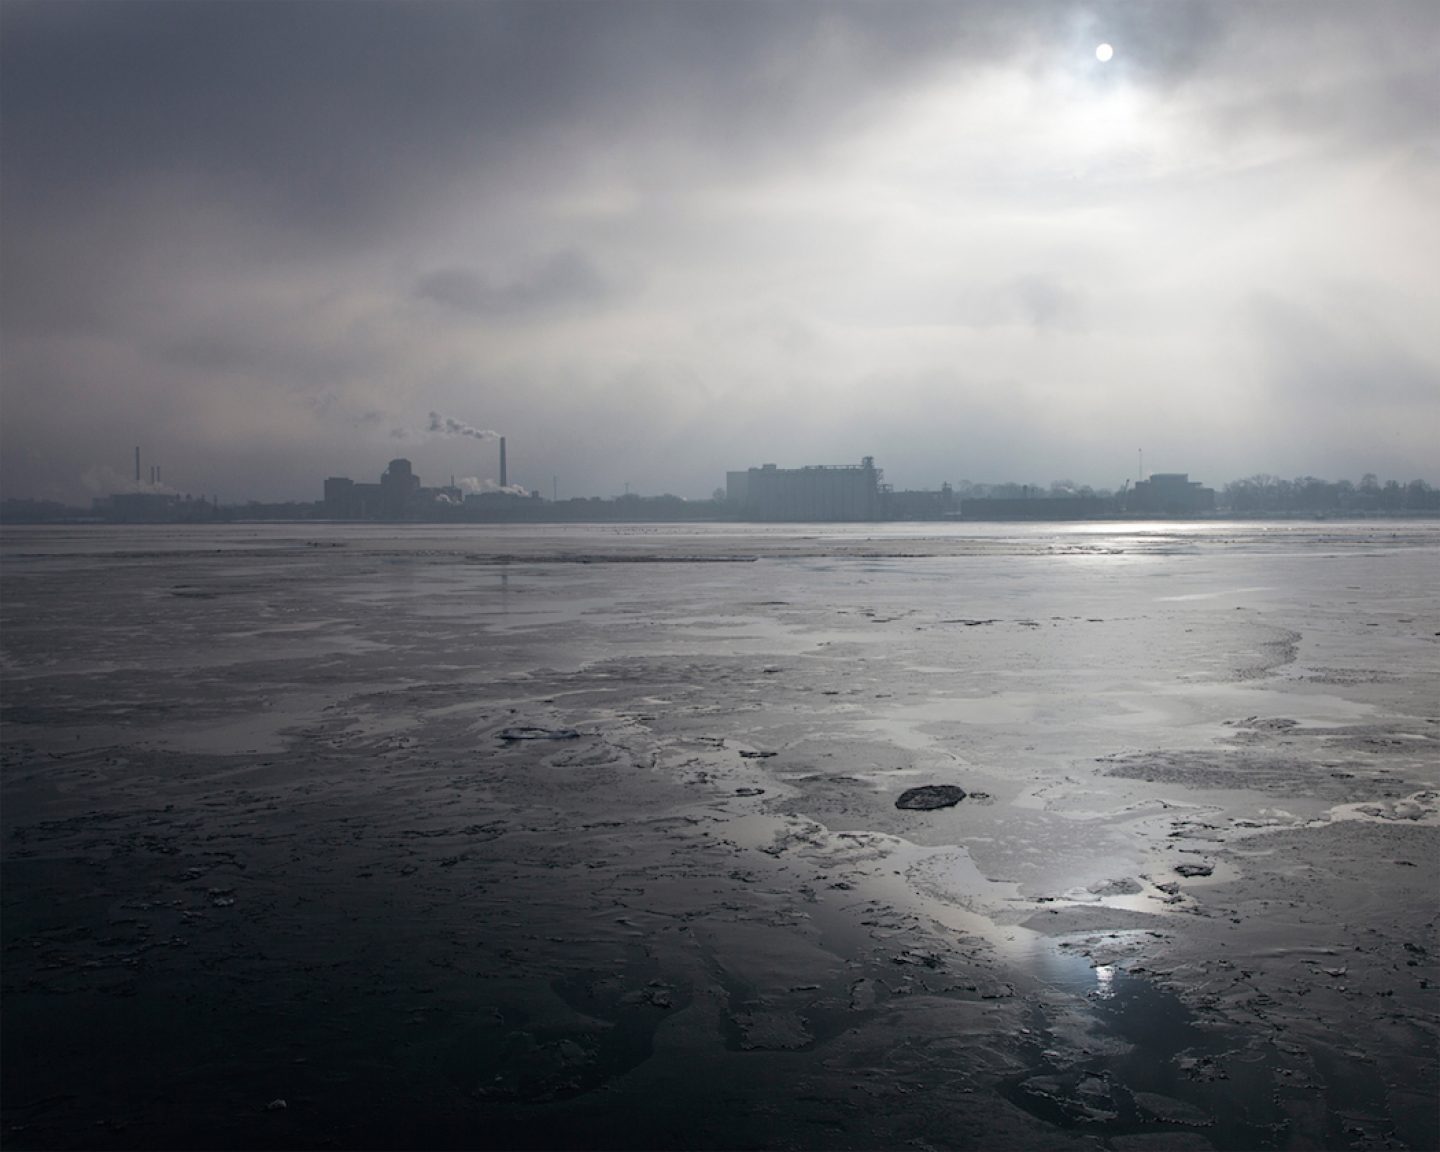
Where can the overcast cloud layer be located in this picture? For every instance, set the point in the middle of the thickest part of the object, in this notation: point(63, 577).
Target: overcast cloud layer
point(652, 241)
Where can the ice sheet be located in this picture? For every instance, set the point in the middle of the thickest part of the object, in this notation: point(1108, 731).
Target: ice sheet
point(260, 773)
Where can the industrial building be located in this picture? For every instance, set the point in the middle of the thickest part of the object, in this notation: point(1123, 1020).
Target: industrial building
point(918, 503)
point(1170, 494)
point(817, 492)
point(400, 496)
point(397, 495)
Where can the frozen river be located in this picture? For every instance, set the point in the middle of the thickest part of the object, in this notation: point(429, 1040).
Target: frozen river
point(587, 836)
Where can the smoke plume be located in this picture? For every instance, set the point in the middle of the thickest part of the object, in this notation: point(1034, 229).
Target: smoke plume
point(474, 485)
point(449, 426)
point(103, 480)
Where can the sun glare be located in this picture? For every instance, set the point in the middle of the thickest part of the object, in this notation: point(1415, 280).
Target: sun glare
point(1103, 53)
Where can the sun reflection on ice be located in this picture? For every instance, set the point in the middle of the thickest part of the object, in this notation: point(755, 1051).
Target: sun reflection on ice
point(1105, 981)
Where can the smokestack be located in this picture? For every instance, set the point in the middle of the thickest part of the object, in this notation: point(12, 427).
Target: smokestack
point(503, 482)
point(152, 475)
point(137, 464)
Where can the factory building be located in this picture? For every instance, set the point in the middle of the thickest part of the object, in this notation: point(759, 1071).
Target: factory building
point(347, 500)
point(817, 492)
point(1170, 494)
point(397, 493)
point(917, 503)
point(398, 487)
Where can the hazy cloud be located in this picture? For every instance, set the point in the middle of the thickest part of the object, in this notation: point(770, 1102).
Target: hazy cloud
point(1046, 303)
point(657, 240)
point(565, 280)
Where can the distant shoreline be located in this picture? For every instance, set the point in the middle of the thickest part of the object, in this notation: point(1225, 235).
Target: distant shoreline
point(238, 516)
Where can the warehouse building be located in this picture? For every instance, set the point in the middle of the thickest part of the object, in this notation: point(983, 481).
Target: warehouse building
point(1170, 494)
point(817, 492)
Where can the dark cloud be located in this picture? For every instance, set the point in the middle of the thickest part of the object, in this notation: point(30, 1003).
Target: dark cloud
point(272, 231)
point(334, 116)
point(331, 113)
point(310, 109)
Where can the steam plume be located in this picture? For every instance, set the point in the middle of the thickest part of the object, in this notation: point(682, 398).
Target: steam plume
point(449, 426)
point(473, 485)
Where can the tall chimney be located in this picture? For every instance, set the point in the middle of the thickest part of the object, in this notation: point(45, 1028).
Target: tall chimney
point(137, 464)
point(503, 482)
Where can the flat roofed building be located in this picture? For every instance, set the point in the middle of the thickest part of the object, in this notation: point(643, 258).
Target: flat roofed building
point(1171, 494)
point(817, 492)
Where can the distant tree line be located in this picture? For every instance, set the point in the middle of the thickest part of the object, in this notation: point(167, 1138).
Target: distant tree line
point(1261, 494)
point(1266, 493)
point(1008, 491)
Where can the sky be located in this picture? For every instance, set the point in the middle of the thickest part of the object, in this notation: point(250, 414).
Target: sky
point(653, 242)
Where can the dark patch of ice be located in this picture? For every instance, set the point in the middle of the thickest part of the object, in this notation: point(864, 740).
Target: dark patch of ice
point(930, 796)
point(531, 732)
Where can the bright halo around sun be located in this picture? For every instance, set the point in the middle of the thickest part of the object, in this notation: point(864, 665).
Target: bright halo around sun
point(1103, 53)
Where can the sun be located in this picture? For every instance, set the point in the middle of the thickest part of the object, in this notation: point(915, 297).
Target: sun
point(1103, 53)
